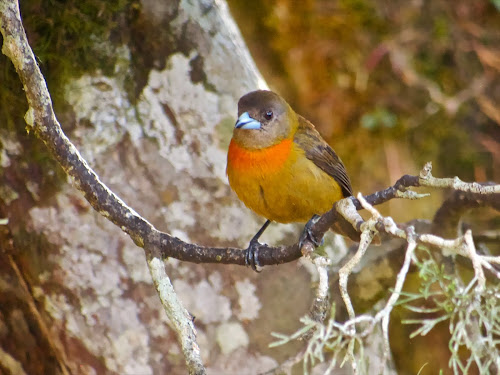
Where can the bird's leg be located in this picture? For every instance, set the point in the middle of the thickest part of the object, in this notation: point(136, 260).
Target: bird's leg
point(308, 235)
point(252, 251)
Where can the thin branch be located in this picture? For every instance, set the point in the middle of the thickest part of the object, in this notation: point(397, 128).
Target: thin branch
point(181, 320)
point(385, 313)
point(403, 66)
point(367, 235)
point(427, 179)
point(347, 331)
point(334, 334)
point(447, 218)
point(488, 236)
point(319, 308)
point(476, 262)
point(286, 366)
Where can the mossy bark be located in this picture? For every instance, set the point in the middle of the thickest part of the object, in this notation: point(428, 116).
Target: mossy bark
point(147, 91)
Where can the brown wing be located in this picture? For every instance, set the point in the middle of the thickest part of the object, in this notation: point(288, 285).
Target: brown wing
point(321, 154)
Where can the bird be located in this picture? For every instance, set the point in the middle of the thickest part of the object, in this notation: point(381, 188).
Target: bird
point(280, 167)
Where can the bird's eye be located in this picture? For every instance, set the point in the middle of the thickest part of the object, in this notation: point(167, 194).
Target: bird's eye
point(269, 115)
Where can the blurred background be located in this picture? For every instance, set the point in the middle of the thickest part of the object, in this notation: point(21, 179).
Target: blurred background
point(390, 84)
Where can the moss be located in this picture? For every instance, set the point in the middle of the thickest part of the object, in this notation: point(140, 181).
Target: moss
point(65, 38)
point(150, 42)
point(71, 38)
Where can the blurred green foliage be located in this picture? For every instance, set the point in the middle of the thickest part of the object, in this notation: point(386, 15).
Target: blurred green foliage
point(496, 3)
point(378, 118)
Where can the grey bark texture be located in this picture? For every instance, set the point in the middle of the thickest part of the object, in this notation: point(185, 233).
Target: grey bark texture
point(75, 290)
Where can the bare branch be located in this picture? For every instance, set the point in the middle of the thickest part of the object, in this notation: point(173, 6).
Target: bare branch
point(181, 320)
point(476, 262)
point(286, 366)
point(343, 337)
point(367, 235)
point(427, 179)
point(385, 313)
point(488, 236)
point(41, 118)
point(319, 308)
point(403, 67)
point(54, 344)
point(447, 218)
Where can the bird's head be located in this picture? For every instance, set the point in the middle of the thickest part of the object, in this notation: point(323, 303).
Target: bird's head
point(264, 119)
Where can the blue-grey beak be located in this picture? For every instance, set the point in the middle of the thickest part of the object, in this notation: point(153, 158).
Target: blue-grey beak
point(247, 122)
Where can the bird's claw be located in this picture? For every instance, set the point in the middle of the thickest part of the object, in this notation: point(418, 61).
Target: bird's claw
point(308, 235)
point(252, 254)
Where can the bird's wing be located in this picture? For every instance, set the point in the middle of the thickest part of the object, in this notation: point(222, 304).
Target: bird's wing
point(321, 154)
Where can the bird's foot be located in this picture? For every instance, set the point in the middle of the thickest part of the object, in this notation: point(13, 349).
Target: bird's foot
point(252, 252)
point(308, 235)
point(252, 255)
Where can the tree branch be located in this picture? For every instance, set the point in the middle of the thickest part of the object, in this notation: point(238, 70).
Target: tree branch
point(41, 118)
point(447, 218)
point(343, 337)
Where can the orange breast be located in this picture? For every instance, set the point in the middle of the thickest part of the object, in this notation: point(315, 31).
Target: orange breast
point(263, 161)
point(280, 183)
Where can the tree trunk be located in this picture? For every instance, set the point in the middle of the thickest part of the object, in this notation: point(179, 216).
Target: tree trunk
point(148, 95)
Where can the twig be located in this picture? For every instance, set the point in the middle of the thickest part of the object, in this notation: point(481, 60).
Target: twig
point(344, 272)
point(403, 67)
point(427, 179)
point(488, 236)
point(476, 262)
point(385, 313)
point(319, 308)
point(181, 320)
point(333, 334)
point(367, 235)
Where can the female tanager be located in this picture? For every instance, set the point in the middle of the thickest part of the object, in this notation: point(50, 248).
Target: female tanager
point(280, 166)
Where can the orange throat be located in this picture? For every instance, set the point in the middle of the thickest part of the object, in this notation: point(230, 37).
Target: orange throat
point(266, 160)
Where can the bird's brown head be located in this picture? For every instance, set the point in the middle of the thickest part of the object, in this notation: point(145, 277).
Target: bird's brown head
point(264, 119)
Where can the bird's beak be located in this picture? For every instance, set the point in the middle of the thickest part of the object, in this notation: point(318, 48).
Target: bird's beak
point(247, 122)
